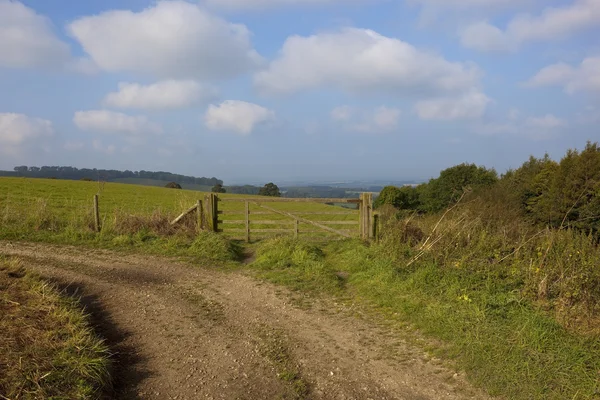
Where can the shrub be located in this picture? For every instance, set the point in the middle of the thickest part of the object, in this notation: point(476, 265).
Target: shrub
point(173, 185)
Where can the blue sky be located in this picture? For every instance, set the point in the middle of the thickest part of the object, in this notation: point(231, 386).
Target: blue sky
point(252, 90)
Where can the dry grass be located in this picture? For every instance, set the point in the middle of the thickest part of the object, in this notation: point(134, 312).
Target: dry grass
point(47, 349)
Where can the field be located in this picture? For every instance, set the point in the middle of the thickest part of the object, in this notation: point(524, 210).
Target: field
point(60, 210)
point(513, 306)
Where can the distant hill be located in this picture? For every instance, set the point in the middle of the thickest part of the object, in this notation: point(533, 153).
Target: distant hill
point(161, 183)
point(148, 178)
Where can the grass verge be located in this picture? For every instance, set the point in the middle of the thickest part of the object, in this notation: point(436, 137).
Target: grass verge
point(503, 341)
point(47, 348)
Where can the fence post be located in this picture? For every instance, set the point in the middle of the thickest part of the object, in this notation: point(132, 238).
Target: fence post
point(200, 215)
point(209, 211)
point(376, 227)
point(296, 228)
point(96, 214)
point(215, 212)
point(365, 214)
point(247, 222)
point(370, 218)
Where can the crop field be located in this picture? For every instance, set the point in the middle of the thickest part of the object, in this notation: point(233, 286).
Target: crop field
point(34, 207)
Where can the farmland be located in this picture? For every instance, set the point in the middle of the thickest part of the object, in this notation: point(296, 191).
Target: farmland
point(60, 210)
point(455, 285)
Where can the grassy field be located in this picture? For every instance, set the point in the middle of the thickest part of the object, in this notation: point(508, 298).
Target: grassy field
point(159, 183)
point(503, 300)
point(61, 211)
point(47, 349)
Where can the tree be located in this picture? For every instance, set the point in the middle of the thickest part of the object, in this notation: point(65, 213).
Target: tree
point(173, 185)
point(403, 198)
point(270, 189)
point(439, 193)
point(218, 188)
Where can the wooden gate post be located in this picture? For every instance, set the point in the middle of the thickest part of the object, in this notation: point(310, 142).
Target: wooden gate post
point(200, 215)
point(208, 212)
point(376, 227)
point(96, 214)
point(365, 215)
point(212, 212)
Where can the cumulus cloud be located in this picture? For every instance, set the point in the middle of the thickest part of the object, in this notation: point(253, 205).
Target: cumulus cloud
point(380, 120)
point(172, 39)
point(534, 127)
point(113, 122)
point(585, 77)
point(547, 121)
point(553, 23)
point(342, 113)
point(167, 94)
point(18, 129)
point(237, 116)
point(464, 3)
point(261, 4)
point(362, 60)
point(468, 106)
point(28, 39)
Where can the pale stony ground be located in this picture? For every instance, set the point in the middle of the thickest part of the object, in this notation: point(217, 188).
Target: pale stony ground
point(185, 332)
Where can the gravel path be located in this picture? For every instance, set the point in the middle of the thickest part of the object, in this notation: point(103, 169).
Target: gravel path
point(185, 332)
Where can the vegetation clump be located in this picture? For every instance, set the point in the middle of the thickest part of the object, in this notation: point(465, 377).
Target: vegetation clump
point(218, 188)
point(47, 348)
point(209, 245)
point(173, 185)
point(270, 189)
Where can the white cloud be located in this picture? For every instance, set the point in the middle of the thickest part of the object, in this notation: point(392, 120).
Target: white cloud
point(71, 145)
point(341, 113)
point(237, 116)
point(381, 119)
point(584, 77)
point(18, 129)
point(167, 94)
point(114, 122)
point(548, 121)
point(465, 3)
point(535, 127)
point(483, 36)
point(28, 39)
point(100, 147)
point(468, 106)
point(172, 39)
point(261, 4)
point(386, 117)
point(362, 60)
point(590, 115)
point(553, 23)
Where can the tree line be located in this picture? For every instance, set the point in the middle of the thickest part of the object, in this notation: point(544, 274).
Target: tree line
point(560, 194)
point(104, 174)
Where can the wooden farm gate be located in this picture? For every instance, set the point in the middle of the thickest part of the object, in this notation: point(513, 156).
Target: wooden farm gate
point(254, 218)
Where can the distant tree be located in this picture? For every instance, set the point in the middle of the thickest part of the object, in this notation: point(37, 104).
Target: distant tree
point(87, 179)
point(439, 193)
point(404, 198)
point(218, 188)
point(173, 185)
point(270, 189)
point(21, 169)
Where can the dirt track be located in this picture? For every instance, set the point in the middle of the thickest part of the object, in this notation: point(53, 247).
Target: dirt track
point(189, 333)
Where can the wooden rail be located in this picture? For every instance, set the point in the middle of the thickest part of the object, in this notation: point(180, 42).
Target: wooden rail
point(295, 222)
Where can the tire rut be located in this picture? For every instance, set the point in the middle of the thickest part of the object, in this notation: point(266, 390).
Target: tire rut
point(182, 332)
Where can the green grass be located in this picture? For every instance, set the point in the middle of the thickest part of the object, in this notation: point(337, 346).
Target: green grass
point(47, 348)
point(515, 308)
point(480, 319)
point(61, 211)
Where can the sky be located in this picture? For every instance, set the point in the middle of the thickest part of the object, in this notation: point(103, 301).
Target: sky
point(268, 90)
